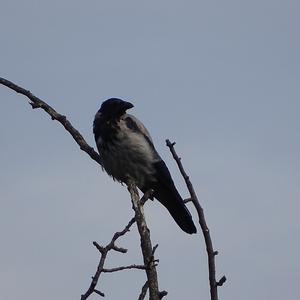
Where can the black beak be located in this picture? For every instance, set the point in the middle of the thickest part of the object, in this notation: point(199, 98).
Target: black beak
point(127, 105)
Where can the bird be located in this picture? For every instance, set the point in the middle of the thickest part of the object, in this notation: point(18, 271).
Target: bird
point(127, 151)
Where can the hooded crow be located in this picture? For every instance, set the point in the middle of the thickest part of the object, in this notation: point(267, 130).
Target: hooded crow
point(127, 151)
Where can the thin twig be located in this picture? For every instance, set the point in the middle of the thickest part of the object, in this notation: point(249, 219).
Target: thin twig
point(111, 246)
point(144, 291)
point(162, 294)
point(99, 293)
point(111, 270)
point(208, 241)
point(95, 278)
point(104, 251)
point(221, 281)
point(187, 200)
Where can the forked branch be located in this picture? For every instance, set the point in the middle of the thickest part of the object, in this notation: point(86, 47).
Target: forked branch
point(103, 254)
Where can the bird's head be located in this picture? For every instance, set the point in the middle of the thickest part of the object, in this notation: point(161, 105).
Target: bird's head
point(114, 108)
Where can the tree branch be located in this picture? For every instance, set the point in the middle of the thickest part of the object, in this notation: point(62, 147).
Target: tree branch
point(143, 291)
point(36, 102)
point(208, 241)
point(117, 269)
point(146, 244)
point(104, 251)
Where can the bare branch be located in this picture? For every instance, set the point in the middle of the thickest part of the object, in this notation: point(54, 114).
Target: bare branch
point(144, 291)
point(119, 234)
point(188, 200)
point(208, 242)
point(162, 294)
point(119, 249)
point(36, 102)
point(221, 281)
point(99, 293)
point(95, 278)
point(146, 244)
point(154, 249)
point(100, 248)
point(104, 251)
point(111, 270)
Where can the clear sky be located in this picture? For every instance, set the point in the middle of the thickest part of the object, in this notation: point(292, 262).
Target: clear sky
point(219, 77)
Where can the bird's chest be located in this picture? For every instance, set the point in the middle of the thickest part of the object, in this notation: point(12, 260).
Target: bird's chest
point(126, 154)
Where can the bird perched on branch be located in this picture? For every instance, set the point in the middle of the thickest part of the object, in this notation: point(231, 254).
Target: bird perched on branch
point(127, 151)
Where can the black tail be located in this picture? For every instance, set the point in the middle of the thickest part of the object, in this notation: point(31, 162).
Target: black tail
point(170, 198)
point(166, 193)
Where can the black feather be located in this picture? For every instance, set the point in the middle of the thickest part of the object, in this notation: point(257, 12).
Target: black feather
point(166, 193)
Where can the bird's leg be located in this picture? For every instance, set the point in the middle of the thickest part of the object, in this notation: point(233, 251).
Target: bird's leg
point(147, 195)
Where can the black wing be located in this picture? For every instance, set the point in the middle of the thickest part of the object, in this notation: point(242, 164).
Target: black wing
point(164, 189)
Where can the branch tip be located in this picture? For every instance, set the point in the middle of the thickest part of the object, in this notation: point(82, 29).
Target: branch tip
point(99, 248)
point(221, 281)
point(188, 200)
point(33, 105)
point(99, 293)
point(169, 144)
point(144, 291)
point(162, 294)
point(154, 249)
point(119, 249)
point(117, 269)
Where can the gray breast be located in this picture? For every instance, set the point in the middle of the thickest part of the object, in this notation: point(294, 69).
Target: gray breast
point(127, 154)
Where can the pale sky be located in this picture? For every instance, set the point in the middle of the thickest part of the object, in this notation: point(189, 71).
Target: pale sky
point(219, 77)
